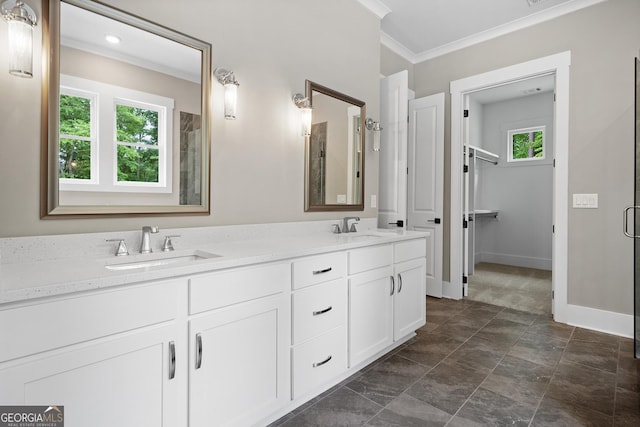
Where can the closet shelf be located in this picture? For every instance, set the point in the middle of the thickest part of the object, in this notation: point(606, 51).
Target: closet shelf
point(485, 213)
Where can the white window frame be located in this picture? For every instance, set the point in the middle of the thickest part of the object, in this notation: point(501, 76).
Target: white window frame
point(95, 164)
point(106, 142)
point(512, 132)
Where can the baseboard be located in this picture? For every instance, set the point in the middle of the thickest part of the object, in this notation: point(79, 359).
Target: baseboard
point(515, 260)
point(600, 320)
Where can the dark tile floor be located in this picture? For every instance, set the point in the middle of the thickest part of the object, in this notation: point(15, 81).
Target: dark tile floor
point(475, 364)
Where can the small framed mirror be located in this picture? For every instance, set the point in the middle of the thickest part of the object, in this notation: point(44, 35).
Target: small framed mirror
point(126, 128)
point(334, 159)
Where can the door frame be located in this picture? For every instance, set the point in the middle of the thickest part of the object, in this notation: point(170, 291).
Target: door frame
point(558, 65)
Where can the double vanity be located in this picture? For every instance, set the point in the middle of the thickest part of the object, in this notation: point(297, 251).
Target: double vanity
point(235, 332)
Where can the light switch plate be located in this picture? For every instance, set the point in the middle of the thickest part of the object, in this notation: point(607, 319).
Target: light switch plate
point(374, 201)
point(585, 201)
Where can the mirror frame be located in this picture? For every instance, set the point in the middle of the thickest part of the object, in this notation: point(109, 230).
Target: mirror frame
point(310, 87)
point(49, 153)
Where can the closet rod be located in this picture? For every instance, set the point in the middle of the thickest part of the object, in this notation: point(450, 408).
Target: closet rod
point(486, 160)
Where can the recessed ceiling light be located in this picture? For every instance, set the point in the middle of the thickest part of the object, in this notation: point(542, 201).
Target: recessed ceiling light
point(112, 39)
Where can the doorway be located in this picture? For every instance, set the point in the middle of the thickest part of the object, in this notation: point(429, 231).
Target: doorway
point(508, 194)
point(557, 65)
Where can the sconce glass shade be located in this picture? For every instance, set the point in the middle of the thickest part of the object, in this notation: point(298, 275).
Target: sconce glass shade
point(228, 80)
point(306, 112)
point(375, 127)
point(21, 20)
point(230, 100)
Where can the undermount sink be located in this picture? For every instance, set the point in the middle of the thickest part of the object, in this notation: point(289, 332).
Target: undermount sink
point(146, 262)
point(362, 236)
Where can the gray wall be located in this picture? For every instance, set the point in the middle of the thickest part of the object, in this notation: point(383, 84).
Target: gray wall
point(603, 40)
point(257, 160)
point(521, 191)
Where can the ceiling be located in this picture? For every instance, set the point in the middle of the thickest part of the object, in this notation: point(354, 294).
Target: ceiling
point(423, 29)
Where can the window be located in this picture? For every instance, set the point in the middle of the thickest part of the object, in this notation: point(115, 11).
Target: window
point(137, 144)
point(77, 161)
point(526, 144)
point(113, 138)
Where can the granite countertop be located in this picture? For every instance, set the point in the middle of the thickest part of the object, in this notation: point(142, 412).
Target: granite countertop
point(27, 280)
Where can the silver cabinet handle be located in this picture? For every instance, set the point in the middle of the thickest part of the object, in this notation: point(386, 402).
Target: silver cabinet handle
point(319, 312)
point(315, 365)
point(172, 360)
point(400, 283)
point(198, 351)
point(625, 226)
point(326, 270)
point(393, 285)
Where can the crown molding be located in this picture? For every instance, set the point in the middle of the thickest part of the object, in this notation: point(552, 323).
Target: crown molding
point(377, 7)
point(518, 24)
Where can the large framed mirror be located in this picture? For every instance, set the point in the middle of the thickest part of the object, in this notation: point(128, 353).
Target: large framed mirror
point(334, 159)
point(126, 120)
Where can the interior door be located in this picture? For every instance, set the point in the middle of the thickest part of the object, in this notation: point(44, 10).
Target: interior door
point(425, 159)
point(466, 217)
point(394, 99)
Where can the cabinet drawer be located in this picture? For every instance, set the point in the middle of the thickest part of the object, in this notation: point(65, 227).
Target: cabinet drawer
point(410, 249)
point(319, 360)
point(318, 309)
point(365, 259)
point(66, 321)
point(225, 288)
point(309, 271)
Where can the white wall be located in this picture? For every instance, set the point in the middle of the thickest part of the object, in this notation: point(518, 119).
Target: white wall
point(257, 170)
point(521, 191)
point(603, 40)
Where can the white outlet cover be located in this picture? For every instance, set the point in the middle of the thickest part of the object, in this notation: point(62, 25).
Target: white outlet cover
point(374, 201)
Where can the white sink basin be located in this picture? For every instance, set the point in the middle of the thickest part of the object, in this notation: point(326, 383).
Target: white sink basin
point(145, 262)
point(356, 237)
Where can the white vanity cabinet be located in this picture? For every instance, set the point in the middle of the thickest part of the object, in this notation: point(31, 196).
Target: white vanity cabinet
point(387, 291)
point(410, 273)
point(238, 345)
point(101, 356)
point(319, 321)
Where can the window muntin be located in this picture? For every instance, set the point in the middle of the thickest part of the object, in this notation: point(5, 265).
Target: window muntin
point(527, 144)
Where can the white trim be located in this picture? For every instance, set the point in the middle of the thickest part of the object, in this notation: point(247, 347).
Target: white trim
point(492, 33)
point(376, 6)
point(558, 64)
point(515, 260)
point(600, 320)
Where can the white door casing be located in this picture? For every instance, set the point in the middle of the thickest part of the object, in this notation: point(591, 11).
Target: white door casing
point(394, 98)
point(425, 159)
point(559, 65)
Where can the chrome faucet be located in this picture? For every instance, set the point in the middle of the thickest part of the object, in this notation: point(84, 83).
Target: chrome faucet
point(145, 244)
point(345, 224)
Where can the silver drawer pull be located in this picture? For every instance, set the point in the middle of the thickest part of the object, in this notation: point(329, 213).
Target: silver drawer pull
point(326, 270)
point(172, 360)
point(400, 283)
point(318, 313)
point(393, 285)
point(315, 365)
point(198, 351)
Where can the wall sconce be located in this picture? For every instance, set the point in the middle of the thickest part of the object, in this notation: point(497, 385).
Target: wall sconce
point(304, 105)
point(376, 129)
point(228, 80)
point(21, 19)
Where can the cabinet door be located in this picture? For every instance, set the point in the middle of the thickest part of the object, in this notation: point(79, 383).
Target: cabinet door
point(370, 313)
point(109, 382)
point(409, 310)
point(239, 369)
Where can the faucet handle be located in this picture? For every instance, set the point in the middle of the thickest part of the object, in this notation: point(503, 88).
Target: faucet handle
point(167, 246)
point(353, 227)
point(336, 228)
point(122, 246)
